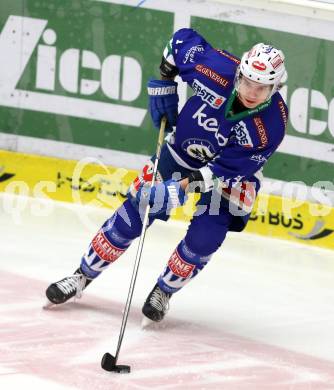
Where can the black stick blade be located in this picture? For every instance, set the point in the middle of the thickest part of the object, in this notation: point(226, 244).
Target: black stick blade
point(108, 364)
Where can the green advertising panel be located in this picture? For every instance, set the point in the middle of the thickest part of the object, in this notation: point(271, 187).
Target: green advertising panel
point(76, 71)
point(83, 75)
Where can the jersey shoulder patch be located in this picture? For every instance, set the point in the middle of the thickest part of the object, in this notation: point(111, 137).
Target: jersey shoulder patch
point(187, 46)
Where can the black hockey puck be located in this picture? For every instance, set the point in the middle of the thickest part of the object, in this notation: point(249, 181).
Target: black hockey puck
point(108, 364)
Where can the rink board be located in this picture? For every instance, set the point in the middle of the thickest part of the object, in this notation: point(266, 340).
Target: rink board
point(90, 182)
point(81, 81)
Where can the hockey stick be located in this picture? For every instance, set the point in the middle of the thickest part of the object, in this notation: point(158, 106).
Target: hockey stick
point(109, 361)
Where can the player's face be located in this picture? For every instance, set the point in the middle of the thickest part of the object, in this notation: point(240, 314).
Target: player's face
point(251, 93)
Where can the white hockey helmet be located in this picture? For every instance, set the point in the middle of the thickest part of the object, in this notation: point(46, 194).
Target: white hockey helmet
point(263, 64)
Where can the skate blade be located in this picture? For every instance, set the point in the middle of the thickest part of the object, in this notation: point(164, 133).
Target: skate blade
point(48, 305)
point(147, 324)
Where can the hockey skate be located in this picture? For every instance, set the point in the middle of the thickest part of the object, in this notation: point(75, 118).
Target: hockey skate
point(67, 288)
point(156, 305)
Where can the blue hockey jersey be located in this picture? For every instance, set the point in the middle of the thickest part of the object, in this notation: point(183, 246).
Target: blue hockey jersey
point(231, 147)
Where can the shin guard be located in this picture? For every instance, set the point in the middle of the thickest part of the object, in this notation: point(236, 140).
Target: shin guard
point(182, 266)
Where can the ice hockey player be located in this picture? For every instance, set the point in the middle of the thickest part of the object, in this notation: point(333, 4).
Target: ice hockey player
point(224, 134)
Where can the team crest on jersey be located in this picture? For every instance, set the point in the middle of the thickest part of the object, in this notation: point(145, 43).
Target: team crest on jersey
point(208, 95)
point(242, 135)
point(200, 149)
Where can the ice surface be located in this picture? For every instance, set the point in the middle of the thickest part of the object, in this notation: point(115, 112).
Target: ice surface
point(260, 316)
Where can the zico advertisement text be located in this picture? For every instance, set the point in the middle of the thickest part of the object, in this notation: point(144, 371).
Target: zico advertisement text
point(79, 79)
point(82, 79)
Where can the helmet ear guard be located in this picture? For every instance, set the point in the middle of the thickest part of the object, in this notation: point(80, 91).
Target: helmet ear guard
point(263, 64)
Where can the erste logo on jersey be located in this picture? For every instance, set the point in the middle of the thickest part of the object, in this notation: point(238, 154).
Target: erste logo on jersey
point(242, 135)
point(208, 95)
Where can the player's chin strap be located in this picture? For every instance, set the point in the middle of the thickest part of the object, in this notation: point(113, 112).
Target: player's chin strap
point(107, 357)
